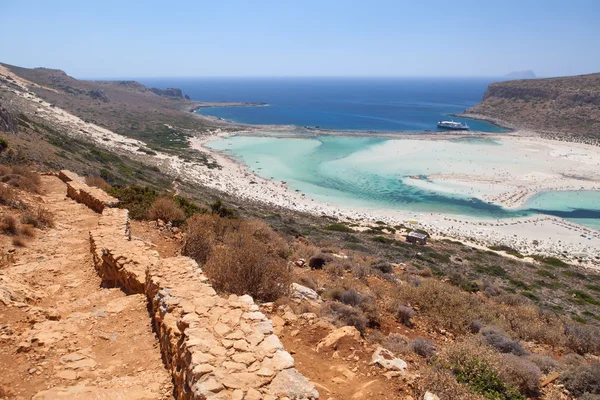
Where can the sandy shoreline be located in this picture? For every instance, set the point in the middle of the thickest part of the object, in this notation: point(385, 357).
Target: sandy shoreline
point(530, 235)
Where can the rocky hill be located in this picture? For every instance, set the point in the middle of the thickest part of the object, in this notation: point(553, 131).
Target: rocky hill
point(566, 106)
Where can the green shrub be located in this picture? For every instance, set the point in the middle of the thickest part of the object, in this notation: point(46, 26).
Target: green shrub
point(3, 144)
point(136, 199)
point(338, 228)
point(218, 208)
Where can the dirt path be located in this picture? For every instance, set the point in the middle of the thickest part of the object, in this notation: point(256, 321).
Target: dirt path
point(64, 336)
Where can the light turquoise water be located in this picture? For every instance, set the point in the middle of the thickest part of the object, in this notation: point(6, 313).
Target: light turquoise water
point(373, 172)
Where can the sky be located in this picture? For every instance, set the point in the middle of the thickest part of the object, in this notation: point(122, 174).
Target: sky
point(128, 38)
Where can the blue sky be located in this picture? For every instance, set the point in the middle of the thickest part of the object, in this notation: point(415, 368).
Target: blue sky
point(126, 38)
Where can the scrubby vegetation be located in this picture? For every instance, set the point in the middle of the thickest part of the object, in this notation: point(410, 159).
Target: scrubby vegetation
point(239, 256)
point(166, 209)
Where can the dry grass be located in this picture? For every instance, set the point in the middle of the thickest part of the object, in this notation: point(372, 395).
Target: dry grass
point(166, 209)
point(19, 241)
point(9, 225)
point(27, 231)
point(21, 177)
point(7, 195)
point(41, 218)
point(239, 256)
point(98, 182)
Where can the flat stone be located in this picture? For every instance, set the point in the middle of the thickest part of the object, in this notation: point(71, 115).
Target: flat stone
point(270, 344)
point(280, 360)
point(303, 292)
point(386, 359)
point(254, 316)
point(290, 383)
point(245, 358)
point(221, 329)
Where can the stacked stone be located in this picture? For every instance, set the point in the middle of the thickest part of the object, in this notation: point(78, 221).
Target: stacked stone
point(218, 348)
point(78, 190)
point(214, 347)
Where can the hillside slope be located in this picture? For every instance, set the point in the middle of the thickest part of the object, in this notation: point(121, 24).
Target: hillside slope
point(567, 106)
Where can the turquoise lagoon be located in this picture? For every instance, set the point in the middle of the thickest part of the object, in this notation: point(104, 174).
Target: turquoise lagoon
point(378, 173)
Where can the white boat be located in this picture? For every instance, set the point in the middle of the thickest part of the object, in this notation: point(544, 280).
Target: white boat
point(456, 126)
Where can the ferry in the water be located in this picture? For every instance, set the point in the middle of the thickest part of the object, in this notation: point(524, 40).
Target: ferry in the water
point(456, 126)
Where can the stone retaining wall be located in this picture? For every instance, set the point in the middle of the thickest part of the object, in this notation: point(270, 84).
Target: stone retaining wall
point(214, 347)
point(94, 198)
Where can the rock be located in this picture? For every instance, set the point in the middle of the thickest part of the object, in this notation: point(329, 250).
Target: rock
point(334, 337)
point(430, 396)
point(386, 359)
point(303, 292)
point(290, 383)
point(551, 378)
point(301, 262)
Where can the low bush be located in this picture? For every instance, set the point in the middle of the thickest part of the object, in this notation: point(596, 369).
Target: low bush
point(27, 231)
point(343, 315)
point(41, 218)
point(404, 314)
point(134, 198)
point(496, 338)
point(309, 282)
point(582, 339)
point(521, 374)
point(22, 178)
point(444, 385)
point(7, 195)
point(19, 241)
point(98, 182)
point(544, 363)
point(218, 208)
point(9, 225)
point(475, 366)
point(382, 266)
point(250, 260)
point(361, 271)
point(351, 297)
point(396, 343)
point(422, 347)
point(582, 378)
point(166, 209)
point(318, 261)
point(338, 228)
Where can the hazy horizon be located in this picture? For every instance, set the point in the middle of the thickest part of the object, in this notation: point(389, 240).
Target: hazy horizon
point(381, 38)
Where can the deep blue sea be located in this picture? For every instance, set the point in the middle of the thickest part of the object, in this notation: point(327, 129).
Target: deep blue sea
point(356, 104)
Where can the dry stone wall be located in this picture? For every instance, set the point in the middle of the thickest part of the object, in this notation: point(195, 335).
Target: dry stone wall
point(94, 198)
point(214, 347)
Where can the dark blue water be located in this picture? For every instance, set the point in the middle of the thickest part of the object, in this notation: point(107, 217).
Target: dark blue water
point(363, 104)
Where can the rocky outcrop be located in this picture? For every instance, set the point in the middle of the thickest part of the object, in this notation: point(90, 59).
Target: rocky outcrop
point(99, 95)
point(567, 106)
point(214, 347)
point(7, 122)
point(94, 198)
point(169, 92)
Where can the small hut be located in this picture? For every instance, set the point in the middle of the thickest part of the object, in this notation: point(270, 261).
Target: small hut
point(416, 238)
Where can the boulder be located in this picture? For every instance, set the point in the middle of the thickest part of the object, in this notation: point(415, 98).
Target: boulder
point(385, 359)
point(334, 337)
point(303, 292)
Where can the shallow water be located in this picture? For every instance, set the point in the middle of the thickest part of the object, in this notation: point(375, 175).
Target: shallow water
point(378, 173)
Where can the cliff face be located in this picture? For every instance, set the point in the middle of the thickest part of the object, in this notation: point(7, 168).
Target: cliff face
point(568, 105)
